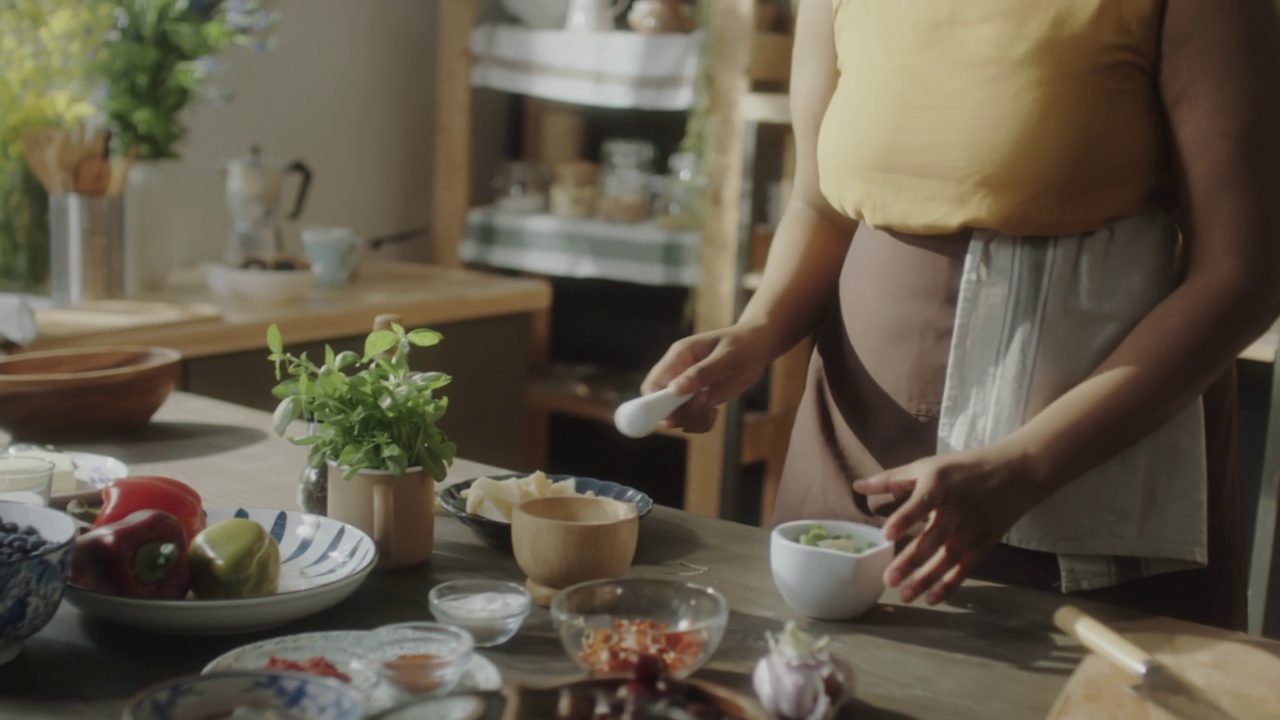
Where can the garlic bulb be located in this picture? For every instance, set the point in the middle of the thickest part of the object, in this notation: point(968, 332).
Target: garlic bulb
point(800, 679)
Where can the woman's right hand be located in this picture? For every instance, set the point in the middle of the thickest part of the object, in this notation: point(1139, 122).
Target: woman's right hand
point(714, 367)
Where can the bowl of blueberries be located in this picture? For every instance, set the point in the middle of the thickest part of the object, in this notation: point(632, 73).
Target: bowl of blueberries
point(35, 558)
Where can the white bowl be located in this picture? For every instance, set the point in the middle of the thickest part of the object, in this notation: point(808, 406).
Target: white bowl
point(828, 584)
point(322, 561)
point(257, 285)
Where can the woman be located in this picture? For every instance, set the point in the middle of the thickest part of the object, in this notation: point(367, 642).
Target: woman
point(1022, 366)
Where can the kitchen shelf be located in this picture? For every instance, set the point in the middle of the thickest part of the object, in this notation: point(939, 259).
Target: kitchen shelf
point(643, 253)
point(598, 69)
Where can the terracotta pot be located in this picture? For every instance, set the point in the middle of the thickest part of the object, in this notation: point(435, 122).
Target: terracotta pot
point(397, 511)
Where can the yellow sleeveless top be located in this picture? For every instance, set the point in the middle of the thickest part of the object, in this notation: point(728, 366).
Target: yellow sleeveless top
point(1028, 117)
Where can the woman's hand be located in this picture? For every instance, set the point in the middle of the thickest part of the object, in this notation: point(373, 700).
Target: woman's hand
point(714, 367)
point(965, 501)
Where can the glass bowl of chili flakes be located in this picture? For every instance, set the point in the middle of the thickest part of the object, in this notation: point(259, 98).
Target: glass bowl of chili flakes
point(607, 626)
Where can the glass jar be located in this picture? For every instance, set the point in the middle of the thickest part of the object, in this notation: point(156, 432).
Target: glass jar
point(313, 484)
point(521, 187)
point(626, 180)
point(684, 190)
point(574, 193)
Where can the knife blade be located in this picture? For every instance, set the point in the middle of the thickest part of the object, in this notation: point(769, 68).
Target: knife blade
point(1175, 695)
point(1157, 683)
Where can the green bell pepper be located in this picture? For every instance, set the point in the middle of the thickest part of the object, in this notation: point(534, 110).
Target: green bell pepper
point(235, 558)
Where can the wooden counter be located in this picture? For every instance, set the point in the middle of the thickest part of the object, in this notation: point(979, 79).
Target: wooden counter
point(421, 294)
point(489, 323)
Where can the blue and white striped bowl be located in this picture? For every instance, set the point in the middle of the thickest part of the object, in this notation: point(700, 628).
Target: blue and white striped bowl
point(322, 561)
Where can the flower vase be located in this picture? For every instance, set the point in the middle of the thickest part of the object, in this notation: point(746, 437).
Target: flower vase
point(24, 230)
point(154, 233)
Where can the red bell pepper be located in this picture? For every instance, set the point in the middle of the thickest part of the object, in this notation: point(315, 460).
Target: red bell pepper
point(141, 556)
point(126, 496)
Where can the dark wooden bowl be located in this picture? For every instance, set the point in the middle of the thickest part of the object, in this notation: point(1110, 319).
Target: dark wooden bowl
point(84, 392)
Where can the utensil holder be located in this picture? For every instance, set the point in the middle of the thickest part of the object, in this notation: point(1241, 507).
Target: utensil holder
point(86, 248)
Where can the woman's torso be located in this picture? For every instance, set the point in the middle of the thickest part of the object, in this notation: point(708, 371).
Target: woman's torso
point(1031, 118)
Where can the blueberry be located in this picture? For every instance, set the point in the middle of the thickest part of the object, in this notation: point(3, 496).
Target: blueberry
point(39, 544)
point(29, 530)
point(9, 527)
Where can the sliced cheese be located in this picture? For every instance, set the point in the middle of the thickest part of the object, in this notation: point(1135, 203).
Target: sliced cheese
point(497, 499)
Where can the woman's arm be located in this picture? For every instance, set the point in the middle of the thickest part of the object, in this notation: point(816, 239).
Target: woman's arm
point(1220, 80)
point(812, 239)
point(1221, 62)
point(804, 261)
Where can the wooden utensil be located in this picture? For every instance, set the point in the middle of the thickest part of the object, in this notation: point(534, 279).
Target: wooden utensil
point(34, 152)
point(564, 540)
point(120, 168)
point(58, 156)
point(93, 176)
point(1156, 682)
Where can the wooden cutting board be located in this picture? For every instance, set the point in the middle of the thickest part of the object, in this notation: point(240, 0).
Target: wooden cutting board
point(1240, 673)
point(103, 315)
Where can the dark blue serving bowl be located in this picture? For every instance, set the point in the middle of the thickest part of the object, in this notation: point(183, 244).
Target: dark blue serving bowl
point(498, 534)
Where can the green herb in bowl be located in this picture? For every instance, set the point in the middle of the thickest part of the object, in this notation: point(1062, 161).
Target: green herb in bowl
point(817, 536)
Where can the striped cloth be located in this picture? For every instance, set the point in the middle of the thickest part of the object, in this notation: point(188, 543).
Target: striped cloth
point(616, 69)
point(642, 253)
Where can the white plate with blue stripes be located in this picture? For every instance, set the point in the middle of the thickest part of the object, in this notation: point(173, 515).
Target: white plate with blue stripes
point(322, 561)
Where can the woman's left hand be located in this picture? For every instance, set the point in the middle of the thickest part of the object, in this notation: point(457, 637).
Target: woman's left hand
point(967, 501)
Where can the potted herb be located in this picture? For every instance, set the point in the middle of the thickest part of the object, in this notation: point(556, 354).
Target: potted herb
point(374, 423)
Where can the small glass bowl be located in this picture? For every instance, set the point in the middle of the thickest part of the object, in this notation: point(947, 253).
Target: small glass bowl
point(418, 659)
point(602, 621)
point(490, 623)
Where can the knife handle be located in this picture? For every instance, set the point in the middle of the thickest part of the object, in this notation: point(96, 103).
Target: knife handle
point(1103, 640)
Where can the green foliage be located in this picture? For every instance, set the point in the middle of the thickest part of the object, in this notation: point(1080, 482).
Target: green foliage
point(379, 417)
point(161, 54)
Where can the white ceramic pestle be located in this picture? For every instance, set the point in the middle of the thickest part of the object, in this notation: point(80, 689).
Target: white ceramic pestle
point(641, 416)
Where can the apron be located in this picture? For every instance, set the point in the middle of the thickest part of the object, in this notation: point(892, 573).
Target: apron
point(894, 377)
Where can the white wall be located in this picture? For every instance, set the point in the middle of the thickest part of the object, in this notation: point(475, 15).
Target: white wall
point(348, 91)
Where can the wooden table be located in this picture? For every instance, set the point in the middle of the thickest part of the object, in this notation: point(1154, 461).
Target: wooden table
point(992, 653)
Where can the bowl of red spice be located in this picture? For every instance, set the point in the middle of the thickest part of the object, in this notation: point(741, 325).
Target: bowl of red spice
point(418, 659)
point(313, 655)
point(610, 626)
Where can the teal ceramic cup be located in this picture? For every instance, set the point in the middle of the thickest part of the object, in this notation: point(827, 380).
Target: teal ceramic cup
point(333, 253)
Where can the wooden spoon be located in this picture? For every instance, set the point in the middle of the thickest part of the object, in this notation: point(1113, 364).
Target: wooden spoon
point(93, 176)
point(34, 152)
point(120, 172)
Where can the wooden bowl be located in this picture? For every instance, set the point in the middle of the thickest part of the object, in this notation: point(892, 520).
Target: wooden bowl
point(84, 391)
point(562, 541)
